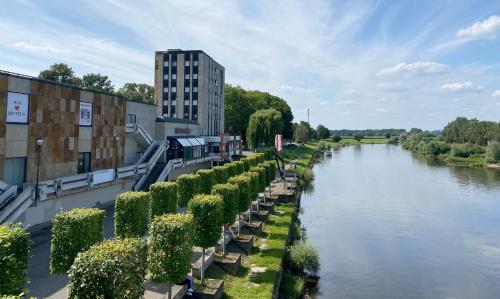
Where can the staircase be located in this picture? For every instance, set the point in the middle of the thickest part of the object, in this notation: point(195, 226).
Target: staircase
point(153, 176)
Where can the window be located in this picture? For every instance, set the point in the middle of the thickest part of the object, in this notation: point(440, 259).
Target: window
point(195, 76)
point(195, 102)
point(165, 77)
point(186, 62)
point(165, 103)
point(174, 63)
point(83, 162)
point(186, 89)
point(14, 171)
point(186, 76)
point(165, 63)
point(131, 118)
point(174, 89)
point(174, 103)
point(195, 63)
point(174, 76)
point(165, 89)
point(195, 89)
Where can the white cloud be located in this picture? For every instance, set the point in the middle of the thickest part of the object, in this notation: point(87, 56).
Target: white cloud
point(485, 28)
point(456, 87)
point(37, 48)
point(381, 109)
point(391, 86)
point(496, 94)
point(346, 103)
point(415, 68)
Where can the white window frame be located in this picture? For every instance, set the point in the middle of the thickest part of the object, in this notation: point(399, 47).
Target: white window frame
point(165, 89)
point(174, 89)
point(195, 76)
point(186, 62)
point(186, 89)
point(165, 63)
point(165, 77)
point(195, 88)
point(195, 62)
point(186, 76)
point(174, 76)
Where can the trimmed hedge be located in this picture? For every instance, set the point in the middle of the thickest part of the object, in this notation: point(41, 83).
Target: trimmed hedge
point(221, 174)
point(73, 232)
point(240, 167)
point(188, 186)
point(259, 158)
point(247, 163)
point(163, 198)
point(262, 176)
point(207, 211)
point(229, 194)
point(111, 269)
point(267, 171)
point(131, 214)
point(207, 180)
point(254, 185)
point(169, 254)
point(244, 185)
point(14, 255)
point(272, 169)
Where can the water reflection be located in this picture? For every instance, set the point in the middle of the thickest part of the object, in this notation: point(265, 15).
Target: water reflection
point(391, 225)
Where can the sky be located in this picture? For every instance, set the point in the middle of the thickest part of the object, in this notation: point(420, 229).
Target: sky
point(353, 64)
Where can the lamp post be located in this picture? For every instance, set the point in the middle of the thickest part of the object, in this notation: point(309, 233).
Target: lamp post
point(117, 140)
point(39, 143)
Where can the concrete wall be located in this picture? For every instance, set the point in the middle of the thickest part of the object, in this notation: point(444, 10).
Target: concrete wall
point(172, 176)
point(45, 210)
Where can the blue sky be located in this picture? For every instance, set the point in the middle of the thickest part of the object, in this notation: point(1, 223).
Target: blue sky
point(355, 64)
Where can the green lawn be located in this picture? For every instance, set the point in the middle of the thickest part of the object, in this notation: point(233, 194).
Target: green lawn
point(267, 252)
point(301, 154)
point(348, 140)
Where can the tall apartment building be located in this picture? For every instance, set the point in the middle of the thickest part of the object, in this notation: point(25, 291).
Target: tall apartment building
point(189, 92)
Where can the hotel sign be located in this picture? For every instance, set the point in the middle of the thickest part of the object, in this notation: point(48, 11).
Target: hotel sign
point(17, 107)
point(85, 114)
point(184, 131)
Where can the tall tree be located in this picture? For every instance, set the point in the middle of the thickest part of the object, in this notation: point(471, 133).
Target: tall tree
point(301, 133)
point(97, 82)
point(60, 72)
point(137, 92)
point(322, 132)
point(263, 126)
point(237, 110)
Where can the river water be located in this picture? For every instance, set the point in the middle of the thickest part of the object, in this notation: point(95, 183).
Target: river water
point(388, 224)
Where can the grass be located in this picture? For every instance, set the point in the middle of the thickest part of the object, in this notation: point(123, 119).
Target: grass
point(349, 140)
point(301, 155)
point(267, 252)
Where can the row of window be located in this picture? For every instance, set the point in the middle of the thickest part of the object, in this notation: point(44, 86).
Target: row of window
point(174, 63)
point(186, 89)
point(186, 76)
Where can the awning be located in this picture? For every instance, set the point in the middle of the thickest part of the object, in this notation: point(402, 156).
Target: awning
point(191, 141)
point(184, 141)
point(201, 141)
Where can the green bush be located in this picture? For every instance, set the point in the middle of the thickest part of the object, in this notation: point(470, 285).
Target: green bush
point(207, 180)
point(232, 169)
point(240, 167)
point(272, 170)
point(336, 138)
point(254, 185)
point(220, 174)
point(247, 163)
point(244, 185)
point(188, 186)
point(493, 152)
point(131, 214)
point(163, 198)
point(466, 150)
point(259, 158)
point(74, 231)
point(262, 176)
point(207, 211)
point(229, 194)
point(436, 147)
point(111, 269)
point(169, 254)
point(304, 258)
point(308, 175)
point(14, 250)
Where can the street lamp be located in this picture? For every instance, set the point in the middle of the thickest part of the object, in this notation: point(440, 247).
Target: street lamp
point(117, 140)
point(39, 143)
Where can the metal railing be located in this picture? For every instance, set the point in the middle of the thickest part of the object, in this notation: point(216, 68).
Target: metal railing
point(170, 165)
point(151, 163)
point(144, 134)
point(15, 208)
point(7, 192)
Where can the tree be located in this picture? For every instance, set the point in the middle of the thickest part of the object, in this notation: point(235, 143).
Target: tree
point(97, 82)
point(301, 133)
point(207, 211)
point(358, 137)
point(336, 138)
point(61, 72)
point(387, 135)
point(237, 110)
point(263, 126)
point(170, 249)
point(229, 194)
point(493, 152)
point(137, 92)
point(322, 132)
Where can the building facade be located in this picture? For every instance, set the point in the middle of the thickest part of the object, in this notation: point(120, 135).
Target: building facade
point(189, 93)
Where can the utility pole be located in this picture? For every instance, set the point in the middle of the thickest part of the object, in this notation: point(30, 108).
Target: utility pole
point(308, 115)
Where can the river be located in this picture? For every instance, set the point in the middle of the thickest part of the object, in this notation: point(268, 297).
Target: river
point(389, 224)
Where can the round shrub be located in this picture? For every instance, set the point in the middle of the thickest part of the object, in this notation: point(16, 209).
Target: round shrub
point(207, 180)
point(112, 269)
point(244, 185)
point(229, 194)
point(131, 214)
point(14, 250)
point(493, 152)
point(187, 187)
point(169, 254)
point(304, 258)
point(220, 174)
point(74, 231)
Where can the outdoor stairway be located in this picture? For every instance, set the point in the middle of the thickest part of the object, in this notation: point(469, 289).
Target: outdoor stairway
point(153, 176)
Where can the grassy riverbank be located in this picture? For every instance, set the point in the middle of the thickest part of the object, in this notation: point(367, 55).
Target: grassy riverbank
point(349, 140)
point(265, 260)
